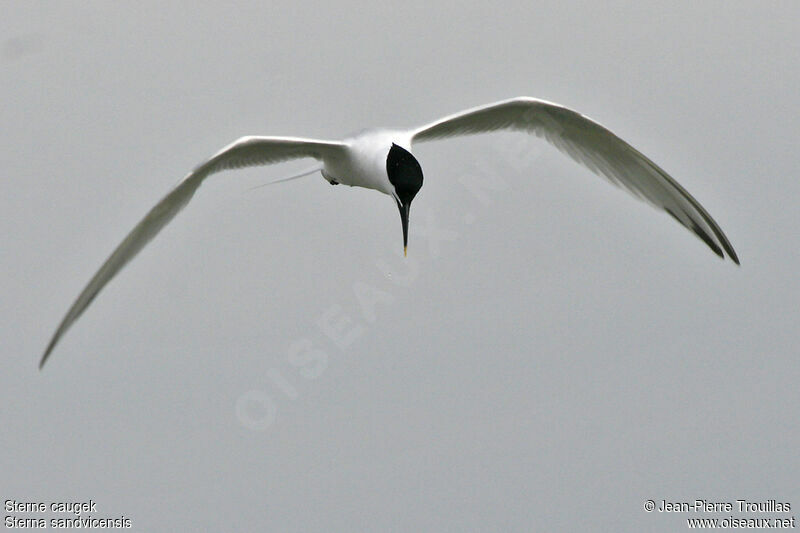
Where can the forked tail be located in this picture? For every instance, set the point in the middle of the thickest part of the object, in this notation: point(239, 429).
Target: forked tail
point(303, 174)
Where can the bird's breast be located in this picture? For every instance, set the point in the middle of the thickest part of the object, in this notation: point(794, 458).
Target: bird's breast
point(361, 168)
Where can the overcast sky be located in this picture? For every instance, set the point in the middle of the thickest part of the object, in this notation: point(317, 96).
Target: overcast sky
point(552, 353)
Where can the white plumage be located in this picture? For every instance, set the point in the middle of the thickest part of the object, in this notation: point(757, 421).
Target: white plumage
point(369, 160)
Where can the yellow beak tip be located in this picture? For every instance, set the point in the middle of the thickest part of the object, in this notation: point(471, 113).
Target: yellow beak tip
point(405, 251)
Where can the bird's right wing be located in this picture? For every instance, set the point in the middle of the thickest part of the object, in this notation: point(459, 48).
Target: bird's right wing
point(595, 147)
point(245, 152)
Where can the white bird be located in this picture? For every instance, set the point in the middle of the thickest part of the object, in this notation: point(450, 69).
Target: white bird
point(382, 160)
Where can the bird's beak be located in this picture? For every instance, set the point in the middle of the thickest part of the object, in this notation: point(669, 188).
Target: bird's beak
point(404, 208)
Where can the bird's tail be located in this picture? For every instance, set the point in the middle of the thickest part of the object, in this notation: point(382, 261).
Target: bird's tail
point(303, 174)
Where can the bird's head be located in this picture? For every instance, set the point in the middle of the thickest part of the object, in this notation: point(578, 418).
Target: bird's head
point(405, 175)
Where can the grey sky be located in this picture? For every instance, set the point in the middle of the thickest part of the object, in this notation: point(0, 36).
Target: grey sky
point(562, 352)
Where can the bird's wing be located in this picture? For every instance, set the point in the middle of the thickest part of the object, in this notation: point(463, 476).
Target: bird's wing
point(592, 145)
point(247, 151)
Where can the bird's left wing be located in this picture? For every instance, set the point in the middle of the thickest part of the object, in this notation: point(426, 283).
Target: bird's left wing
point(245, 152)
point(595, 147)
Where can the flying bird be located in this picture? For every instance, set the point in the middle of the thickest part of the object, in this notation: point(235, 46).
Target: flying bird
point(382, 159)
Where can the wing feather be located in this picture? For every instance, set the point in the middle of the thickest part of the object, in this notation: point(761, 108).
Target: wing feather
point(593, 146)
point(247, 151)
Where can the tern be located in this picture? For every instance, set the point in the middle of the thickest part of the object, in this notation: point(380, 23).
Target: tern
point(381, 159)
